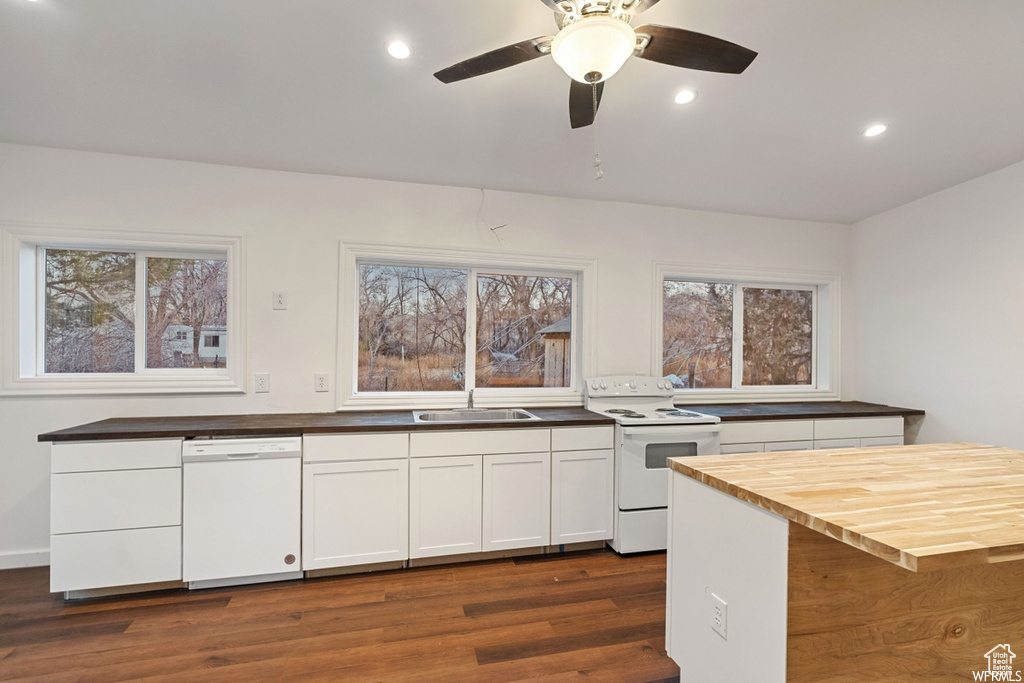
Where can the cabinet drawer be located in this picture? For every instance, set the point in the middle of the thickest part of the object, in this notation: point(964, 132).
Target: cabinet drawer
point(339, 447)
point(767, 430)
point(858, 427)
point(836, 443)
point(122, 499)
point(782, 446)
point(479, 442)
point(115, 558)
point(733, 448)
point(93, 456)
point(582, 438)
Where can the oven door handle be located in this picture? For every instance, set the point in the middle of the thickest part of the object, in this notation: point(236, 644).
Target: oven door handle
point(640, 433)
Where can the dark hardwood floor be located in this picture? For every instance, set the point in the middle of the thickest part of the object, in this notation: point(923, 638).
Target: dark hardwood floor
point(591, 615)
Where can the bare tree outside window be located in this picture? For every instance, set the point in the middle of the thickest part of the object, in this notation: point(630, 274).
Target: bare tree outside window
point(412, 328)
point(90, 311)
point(777, 336)
point(186, 302)
point(697, 334)
point(523, 331)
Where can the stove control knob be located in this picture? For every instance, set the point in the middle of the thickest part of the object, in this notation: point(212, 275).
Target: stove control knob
point(632, 384)
point(604, 385)
point(593, 386)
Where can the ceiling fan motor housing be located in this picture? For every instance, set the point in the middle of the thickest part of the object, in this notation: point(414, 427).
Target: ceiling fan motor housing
point(593, 44)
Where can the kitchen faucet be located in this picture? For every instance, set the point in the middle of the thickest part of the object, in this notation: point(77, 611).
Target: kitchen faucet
point(469, 403)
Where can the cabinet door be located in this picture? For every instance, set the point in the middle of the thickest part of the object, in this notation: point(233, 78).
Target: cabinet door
point(444, 505)
point(516, 500)
point(581, 496)
point(126, 557)
point(355, 513)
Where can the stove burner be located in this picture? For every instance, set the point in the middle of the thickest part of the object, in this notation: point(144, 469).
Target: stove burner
point(676, 412)
point(625, 412)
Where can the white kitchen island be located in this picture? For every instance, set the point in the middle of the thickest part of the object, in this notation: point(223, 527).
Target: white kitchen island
point(901, 563)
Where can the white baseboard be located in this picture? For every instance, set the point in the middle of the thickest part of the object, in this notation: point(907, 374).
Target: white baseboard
point(37, 558)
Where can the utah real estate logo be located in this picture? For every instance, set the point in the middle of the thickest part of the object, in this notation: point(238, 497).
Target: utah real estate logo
point(1000, 665)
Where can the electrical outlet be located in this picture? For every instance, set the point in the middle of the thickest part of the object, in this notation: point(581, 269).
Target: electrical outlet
point(320, 382)
point(280, 300)
point(719, 616)
point(262, 385)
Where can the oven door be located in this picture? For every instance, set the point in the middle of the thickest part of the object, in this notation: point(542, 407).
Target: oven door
point(641, 470)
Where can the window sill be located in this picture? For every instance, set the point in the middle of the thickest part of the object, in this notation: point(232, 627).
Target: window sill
point(683, 396)
point(482, 398)
point(90, 386)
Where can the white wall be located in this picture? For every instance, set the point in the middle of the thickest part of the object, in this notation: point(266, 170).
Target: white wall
point(940, 309)
point(292, 224)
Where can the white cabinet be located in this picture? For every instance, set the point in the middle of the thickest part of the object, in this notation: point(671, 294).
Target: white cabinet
point(475, 490)
point(115, 514)
point(582, 470)
point(445, 495)
point(516, 506)
point(858, 432)
point(758, 436)
point(355, 499)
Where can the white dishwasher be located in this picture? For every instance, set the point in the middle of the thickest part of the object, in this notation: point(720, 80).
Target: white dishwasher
point(241, 510)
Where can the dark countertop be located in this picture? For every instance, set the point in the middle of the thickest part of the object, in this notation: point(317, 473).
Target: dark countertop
point(294, 424)
point(736, 412)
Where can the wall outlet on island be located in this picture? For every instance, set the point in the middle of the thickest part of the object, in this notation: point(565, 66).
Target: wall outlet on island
point(320, 382)
point(262, 383)
point(719, 616)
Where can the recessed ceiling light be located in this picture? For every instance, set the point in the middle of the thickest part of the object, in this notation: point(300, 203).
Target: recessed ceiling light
point(399, 49)
point(874, 130)
point(685, 96)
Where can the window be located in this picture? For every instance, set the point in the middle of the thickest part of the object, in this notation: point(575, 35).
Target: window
point(413, 322)
point(110, 312)
point(730, 336)
point(431, 325)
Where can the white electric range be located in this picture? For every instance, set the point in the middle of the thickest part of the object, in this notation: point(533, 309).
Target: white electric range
point(648, 430)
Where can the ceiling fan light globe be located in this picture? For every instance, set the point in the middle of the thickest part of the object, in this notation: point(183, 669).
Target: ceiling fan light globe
point(593, 44)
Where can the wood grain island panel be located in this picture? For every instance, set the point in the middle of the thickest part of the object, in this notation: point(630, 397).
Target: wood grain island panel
point(922, 507)
point(902, 563)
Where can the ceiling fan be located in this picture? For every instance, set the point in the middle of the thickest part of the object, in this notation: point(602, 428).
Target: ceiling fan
point(595, 39)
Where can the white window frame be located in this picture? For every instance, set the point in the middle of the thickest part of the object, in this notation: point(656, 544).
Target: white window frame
point(826, 332)
point(22, 299)
point(583, 271)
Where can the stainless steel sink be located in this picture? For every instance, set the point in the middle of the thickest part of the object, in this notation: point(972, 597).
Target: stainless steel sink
point(473, 415)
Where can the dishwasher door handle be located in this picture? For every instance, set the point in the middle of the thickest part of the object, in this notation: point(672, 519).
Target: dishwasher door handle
point(243, 456)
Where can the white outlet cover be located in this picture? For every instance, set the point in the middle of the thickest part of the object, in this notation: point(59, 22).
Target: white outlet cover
point(719, 616)
point(280, 301)
point(261, 385)
point(321, 382)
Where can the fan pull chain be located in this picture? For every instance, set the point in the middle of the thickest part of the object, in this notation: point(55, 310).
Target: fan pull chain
point(598, 173)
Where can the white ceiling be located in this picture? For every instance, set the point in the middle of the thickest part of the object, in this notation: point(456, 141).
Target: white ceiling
point(305, 85)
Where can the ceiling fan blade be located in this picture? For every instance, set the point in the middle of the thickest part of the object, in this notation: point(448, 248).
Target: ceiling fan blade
point(581, 103)
point(502, 58)
point(691, 50)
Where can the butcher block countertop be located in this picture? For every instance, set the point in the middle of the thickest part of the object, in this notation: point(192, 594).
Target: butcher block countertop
point(922, 507)
point(295, 424)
